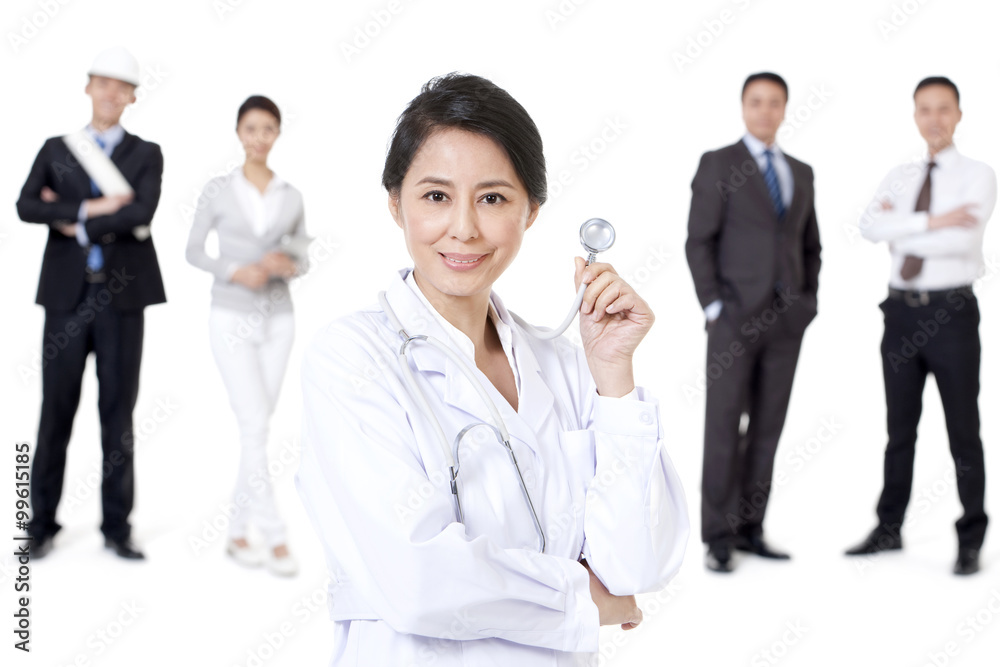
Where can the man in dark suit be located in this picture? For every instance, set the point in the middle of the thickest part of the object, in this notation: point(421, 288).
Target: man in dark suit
point(98, 272)
point(754, 252)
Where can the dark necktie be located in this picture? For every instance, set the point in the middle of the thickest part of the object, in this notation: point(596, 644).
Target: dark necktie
point(771, 178)
point(912, 265)
point(95, 256)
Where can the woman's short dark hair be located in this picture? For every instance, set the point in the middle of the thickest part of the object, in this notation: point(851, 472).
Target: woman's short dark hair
point(258, 102)
point(473, 104)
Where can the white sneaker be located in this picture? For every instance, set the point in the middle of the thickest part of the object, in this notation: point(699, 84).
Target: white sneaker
point(286, 566)
point(245, 556)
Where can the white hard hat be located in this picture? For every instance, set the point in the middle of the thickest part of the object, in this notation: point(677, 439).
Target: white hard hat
point(116, 63)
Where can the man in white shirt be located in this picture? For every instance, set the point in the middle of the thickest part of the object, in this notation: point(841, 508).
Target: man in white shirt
point(933, 215)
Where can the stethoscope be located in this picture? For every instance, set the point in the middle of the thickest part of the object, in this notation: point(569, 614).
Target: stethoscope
point(596, 235)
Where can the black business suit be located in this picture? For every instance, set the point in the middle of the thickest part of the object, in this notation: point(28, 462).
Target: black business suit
point(84, 313)
point(765, 270)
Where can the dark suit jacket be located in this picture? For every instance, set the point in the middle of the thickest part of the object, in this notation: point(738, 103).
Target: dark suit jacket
point(132, 269)
point(737, 248)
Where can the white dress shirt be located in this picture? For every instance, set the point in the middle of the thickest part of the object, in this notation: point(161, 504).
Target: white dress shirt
point(953, 256)
point(261, 208)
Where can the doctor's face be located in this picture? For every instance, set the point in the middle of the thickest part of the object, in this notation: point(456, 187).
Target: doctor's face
point(463, 211)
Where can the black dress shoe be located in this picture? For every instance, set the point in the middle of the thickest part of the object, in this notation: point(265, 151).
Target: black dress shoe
point(755, 544)
point(968, 561)
point(40, 547)
point(124, 548)
point(719, 557)
point(877, 541)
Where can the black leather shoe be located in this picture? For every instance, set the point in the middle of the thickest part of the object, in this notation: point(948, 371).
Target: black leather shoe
point(124, 549)
point(968, 562)
point(40, 547)
point(877, 541)
point(755, 544)
point(719, 557)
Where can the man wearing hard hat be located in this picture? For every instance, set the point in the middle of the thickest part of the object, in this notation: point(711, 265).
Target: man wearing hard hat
point(97, 190)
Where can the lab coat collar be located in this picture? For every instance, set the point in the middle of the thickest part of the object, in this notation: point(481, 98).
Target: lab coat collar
point(535, 401)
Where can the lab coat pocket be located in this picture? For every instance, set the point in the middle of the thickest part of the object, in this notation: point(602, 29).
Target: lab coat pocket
point(492, 501)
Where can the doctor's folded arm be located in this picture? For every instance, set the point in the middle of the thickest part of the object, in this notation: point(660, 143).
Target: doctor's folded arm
point(497, 503)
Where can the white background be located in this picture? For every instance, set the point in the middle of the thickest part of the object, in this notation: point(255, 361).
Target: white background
point(598, 65)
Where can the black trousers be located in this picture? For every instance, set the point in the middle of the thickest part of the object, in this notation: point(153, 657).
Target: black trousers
point(939, 338)
point(69, 337)
point(750, 367)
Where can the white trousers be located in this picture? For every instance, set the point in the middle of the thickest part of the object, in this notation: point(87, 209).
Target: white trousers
point(251, 351)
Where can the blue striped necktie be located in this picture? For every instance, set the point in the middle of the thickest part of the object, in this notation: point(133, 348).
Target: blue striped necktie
point(772, 186)
point(95, 257)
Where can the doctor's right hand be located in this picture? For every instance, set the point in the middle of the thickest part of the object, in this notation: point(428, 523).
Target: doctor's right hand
point(613, 609)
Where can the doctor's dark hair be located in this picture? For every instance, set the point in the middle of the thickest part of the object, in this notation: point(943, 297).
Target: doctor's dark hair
point(258, 102)
point(937, 81)
point(473, 104)
point(765, 76)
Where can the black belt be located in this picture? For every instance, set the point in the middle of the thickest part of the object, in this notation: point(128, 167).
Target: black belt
point(916, 298)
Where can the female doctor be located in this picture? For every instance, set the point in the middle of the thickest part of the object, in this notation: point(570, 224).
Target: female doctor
point(410, 583)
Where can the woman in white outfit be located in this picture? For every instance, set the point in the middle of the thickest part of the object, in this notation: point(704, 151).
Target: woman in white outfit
point(258, 219)
point(410, 584)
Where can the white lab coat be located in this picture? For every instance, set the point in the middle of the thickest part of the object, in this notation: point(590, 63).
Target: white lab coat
point(412, 586)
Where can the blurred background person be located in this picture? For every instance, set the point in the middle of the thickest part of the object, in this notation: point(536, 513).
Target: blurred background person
point(933, 216)
point(259, 221)
point(754, 253)
point(97, 191)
